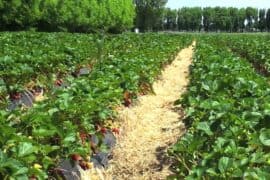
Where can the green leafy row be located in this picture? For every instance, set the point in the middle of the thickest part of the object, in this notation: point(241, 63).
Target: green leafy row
point(255, 48)
point(227, 116)
point(51, 130)
point(41, 57)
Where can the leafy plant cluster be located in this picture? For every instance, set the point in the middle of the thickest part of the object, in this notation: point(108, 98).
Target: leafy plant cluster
point(66, 15)
point(34, 140)
point(255, 49)
point(42, 57)
point(227, 116)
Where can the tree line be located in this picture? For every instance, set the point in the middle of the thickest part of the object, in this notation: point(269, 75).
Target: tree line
point(153, 16)
point(67, 15)
point(119, 15)
point(217, 19)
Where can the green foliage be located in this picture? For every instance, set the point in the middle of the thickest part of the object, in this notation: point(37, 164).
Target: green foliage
point(49, 131)
point(227, 113)
point(36, 56)
point(251, 16)
point(189, 19)
point(19, 14)
point(262, 20)
point(149, 14)
point(225, 19)
point(268, 20)
point(256, 50)
point(67, 15)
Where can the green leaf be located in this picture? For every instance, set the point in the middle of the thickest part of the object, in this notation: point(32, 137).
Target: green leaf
point(265, 137)
point(2, 157)
point(212, 172)
point(41, 132)
point(204, 126)
point(13, 165)
point(21, 171)
point(25, 149)
point(223, 164)
point(52, 111)
point(69, 139)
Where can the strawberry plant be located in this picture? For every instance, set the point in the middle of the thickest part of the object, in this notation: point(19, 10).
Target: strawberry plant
point(36, 139)
point(254, 48)
point(227, 113)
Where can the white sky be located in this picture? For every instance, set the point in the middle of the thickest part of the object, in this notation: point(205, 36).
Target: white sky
point(224, 3)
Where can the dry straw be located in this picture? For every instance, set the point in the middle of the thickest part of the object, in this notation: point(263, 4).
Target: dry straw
point(149, 128)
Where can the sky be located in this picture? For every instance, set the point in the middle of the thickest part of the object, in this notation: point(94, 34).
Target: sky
point(224, 3)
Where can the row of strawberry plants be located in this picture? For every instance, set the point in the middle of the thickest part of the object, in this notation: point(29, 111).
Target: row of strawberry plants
point(255, 48)
point(41, 57)
point(227, 112)
point(33, 141)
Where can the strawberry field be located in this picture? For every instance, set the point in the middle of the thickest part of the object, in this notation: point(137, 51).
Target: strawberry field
point(134, 89)
point(58, 90)
point(227, 110)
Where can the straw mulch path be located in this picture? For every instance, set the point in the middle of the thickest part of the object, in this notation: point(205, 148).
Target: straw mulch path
point(151, 126)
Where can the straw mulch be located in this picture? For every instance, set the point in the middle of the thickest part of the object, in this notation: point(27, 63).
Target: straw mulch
point(150, 127)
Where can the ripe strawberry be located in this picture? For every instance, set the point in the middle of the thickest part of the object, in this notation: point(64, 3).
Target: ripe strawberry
point(15, 96)
point(116, 131)
point(76, 157)
point(103, 130)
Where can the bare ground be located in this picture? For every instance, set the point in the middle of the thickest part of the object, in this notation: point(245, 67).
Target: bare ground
point(151, 126)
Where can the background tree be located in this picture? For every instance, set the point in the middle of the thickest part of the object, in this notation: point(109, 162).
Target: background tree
point(19, 14)
point(268, 19)
point(186, 18)
point(190, 18)
point(234, 19)
point(67, 15)
point(180, 20)
point(170, 19)
point(262, 20)
point(195, 18)
point(251, 17)
point(241, 19)
point(149, 13)
point(208, 18)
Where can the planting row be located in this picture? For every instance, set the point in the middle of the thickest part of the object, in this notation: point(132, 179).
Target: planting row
point(254, 48)
point(36, 61)
point(69, 121)
point(227, 118)
point(41, 58)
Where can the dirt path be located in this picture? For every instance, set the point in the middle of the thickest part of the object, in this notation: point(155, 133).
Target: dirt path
point(151, 126)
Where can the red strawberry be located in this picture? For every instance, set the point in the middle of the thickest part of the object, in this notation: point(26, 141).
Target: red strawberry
point(15, 96)
point(116, 131)
point(76, 157)
point(103, 130)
